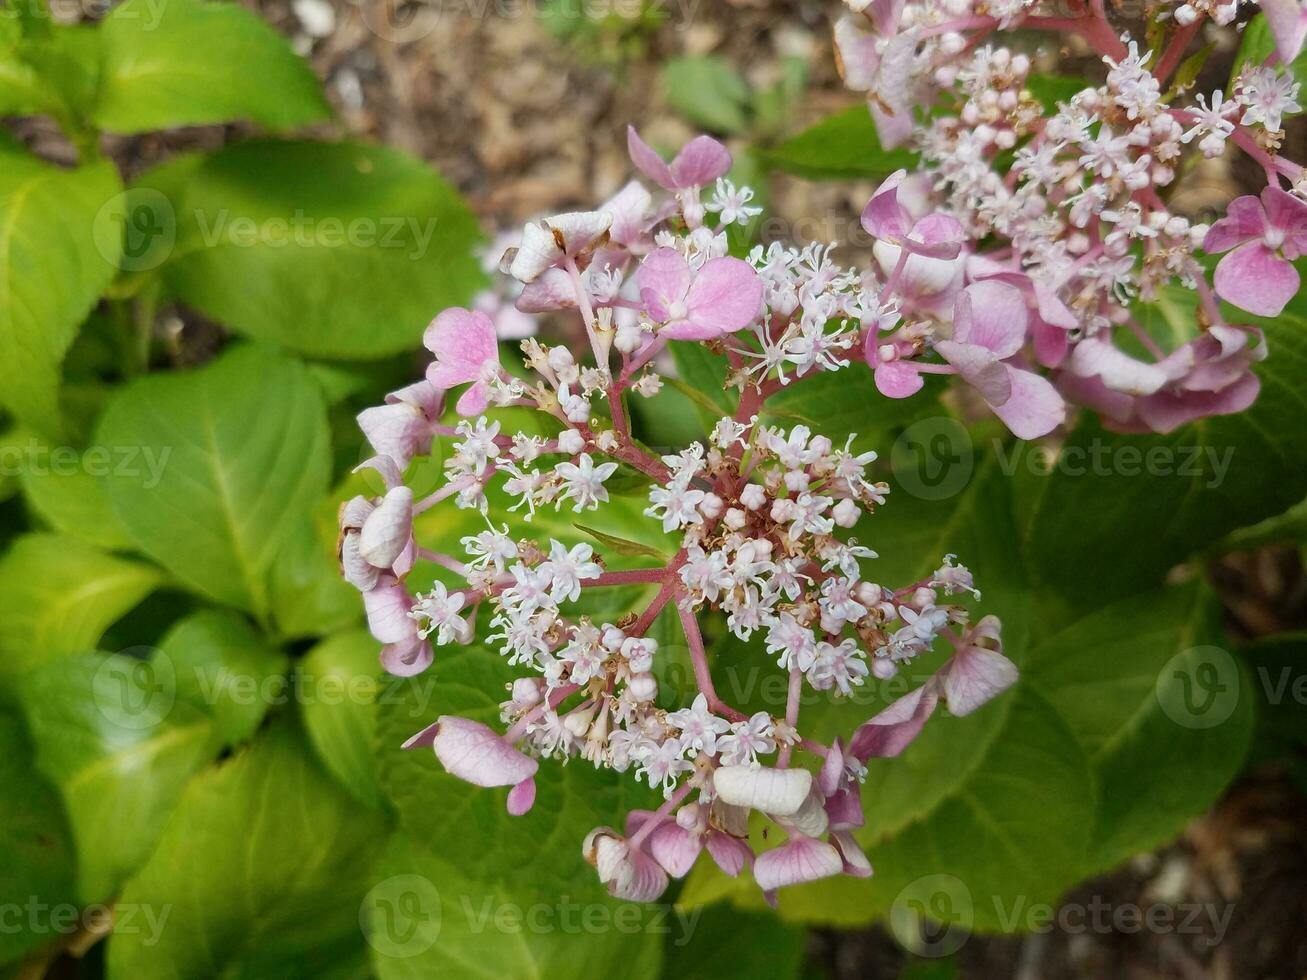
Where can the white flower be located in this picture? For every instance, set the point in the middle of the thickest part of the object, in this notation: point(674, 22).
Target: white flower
point(796, 644)
point(698, 726)
point(733, 204)
point(584, 482)
point(746, 740)
point(568, 569)
point(437, 612)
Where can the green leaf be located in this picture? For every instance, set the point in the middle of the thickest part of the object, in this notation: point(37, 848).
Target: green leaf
point(53, 267)
point(623, 546)
point(309, 598)
point(336, 685)
point(539, 851)
point(426, 917)
point(703, 380)
point(261, 868)
point(66, 490)
point(1164, 714)
point(243, 450)
point(843, 146)
point(729, 942)
point(52, 70)
point(841, 404)
point(709, 92)
point(189, 63)
point(1178, 492)
point(109, 735)
point(226, 669)
point(60, 595)
point(333, 249)
point(40, 860)
point(1051, 90)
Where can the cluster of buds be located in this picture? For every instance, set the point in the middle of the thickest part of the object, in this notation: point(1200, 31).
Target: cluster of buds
point(1061, 216)
point(760, 525)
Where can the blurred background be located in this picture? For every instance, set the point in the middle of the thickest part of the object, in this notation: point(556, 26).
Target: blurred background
point(169, 501)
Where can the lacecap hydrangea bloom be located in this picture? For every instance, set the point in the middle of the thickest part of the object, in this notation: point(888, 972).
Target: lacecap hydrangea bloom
point(761, 523)
point(1062, 214)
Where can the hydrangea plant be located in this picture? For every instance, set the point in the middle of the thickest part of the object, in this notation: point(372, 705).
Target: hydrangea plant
point(1011, 261)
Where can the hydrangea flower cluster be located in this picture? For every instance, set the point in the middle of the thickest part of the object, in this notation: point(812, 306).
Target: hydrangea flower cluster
point(1062, 215)
point(761, 522)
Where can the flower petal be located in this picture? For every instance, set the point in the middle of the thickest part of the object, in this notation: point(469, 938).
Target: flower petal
point(730, 853)
point(1254, 278)
point(387, 607)
point(522, 797)
point(407, 657)
point(891, 731)
point(477, 754)
point(1244, 220)
point(726, 296)
point(664, 279)
point(388, 528)
point(779, 792)
point(798, 860)
point(463, 341)
point(975, 675)
point(675, 848)
point(701, 161)
point(647, 159)
point(1034, 408)
point(992, 315)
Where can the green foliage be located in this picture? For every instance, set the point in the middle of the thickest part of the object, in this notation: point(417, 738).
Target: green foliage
point(261, 865)
point(60, 596)
point(39, 853)
point(843, 146)
point(242, 450)
point(47, 218)
point(274, 240)
point(110, 738)
point(191, 62)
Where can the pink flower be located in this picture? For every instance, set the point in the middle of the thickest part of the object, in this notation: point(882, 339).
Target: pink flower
point(725, 295)
point(798, 860)
point(895, 378)
point(627, 870)
point(388, 606)
point(1287, 20)
point(403, 427)
point(676, 844)
point(989, 326)
point(551, 242)
point(465, 348)
point(407, 657)
point(931, 273)
point(880, 63)
point(1210, 375)
point(1261, 237)
point(476, 754)
point(978, 672)
point(700, 162)
point(892, 730)
point(1049, 318)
